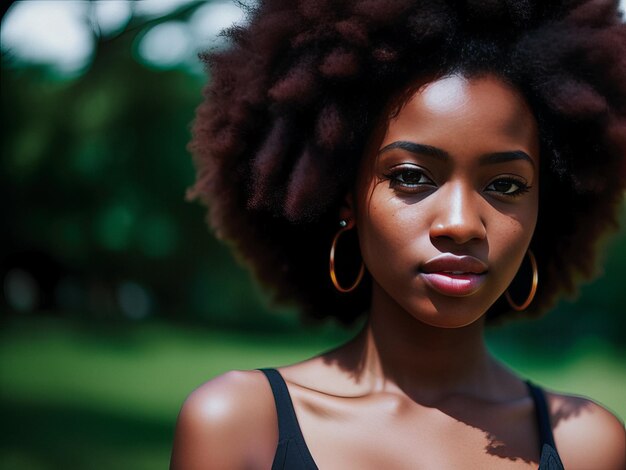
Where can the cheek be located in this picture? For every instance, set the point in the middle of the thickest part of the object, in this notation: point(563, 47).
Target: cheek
point(508, 236)
point(389, 231)
point(511, 223)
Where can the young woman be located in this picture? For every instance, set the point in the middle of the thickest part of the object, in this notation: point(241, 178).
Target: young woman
point(433, 166)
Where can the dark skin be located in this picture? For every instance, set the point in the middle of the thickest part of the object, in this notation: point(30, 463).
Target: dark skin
point(455, 171)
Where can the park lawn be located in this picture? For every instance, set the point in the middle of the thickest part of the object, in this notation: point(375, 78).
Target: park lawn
point(102, 396)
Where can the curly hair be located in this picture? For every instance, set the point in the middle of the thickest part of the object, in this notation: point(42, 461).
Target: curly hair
point(292, 102)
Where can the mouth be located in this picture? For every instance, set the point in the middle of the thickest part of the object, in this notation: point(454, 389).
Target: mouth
point(455, 276)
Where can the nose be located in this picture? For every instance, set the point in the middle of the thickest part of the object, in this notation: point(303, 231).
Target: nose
point(457, 215)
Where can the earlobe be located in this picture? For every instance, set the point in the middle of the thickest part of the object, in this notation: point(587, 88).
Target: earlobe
point(346, 210)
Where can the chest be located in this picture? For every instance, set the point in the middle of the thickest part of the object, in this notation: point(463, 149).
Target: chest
point(395, 434)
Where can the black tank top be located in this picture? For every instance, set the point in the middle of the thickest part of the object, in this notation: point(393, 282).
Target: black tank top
point(292, 452)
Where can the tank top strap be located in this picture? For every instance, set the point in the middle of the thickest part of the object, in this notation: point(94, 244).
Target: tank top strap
point(542, 414)
point(287, 422)
point(292, 452)
point(549, 456)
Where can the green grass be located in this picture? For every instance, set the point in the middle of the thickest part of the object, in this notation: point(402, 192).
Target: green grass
point(107, 397)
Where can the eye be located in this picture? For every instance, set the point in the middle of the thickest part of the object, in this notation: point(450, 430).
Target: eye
point(410, 179)
point(508, 187)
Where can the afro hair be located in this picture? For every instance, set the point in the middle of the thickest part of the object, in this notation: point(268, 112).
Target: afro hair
point(292, 101)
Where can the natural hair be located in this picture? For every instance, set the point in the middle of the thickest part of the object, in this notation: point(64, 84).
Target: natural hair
point(292, 102)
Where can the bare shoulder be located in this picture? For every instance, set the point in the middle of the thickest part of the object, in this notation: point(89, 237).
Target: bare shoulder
point(228, 422)
point(587, 435)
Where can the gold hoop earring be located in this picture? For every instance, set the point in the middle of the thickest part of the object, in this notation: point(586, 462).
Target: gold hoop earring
point(333, 277)
point(533, 287)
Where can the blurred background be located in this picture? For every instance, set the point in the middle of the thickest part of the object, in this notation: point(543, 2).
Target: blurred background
point(116, 300)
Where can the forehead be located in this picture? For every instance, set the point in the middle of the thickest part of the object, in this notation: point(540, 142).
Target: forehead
point(459, 113)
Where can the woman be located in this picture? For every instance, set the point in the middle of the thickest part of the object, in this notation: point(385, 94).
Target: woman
point(459, 160)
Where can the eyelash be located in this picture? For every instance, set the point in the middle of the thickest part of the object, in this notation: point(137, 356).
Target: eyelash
point(395, 180)
point(521, 186)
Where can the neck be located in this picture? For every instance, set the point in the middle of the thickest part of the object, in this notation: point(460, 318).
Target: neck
point(395, 350)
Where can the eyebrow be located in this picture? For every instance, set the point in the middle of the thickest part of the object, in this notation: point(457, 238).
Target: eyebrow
point(440, 154)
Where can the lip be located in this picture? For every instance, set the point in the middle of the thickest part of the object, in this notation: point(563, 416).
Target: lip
point(456, 276)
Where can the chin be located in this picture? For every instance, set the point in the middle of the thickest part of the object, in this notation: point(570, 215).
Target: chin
point(447, 322)
point(433, 309)
point(453, 312)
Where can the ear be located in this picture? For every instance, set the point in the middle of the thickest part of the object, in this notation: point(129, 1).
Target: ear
point(346, 210)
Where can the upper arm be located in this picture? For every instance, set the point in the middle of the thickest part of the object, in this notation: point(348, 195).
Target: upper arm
point(587, 435)
point(229, 422)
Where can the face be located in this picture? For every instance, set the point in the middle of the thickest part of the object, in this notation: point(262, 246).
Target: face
point(446, 203)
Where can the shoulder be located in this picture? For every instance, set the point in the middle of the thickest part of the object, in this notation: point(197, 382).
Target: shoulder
point(587, 435)
point(228, 422)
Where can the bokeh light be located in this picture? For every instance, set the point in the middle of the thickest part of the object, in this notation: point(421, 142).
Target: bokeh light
point(49, 32)
point(21, 290)
point(166, 45)
point(63, 34)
